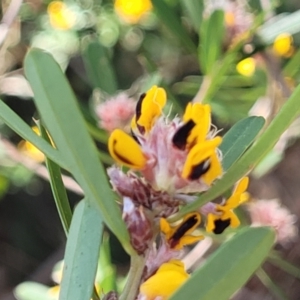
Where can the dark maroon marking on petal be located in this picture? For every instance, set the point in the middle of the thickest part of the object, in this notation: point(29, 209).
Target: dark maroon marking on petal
point(134, 137)
point(141, 128)
point(182, 229)
point(122, 158)
point(138, 109)
point(199, 170)
point(180, 137)
point(221, 225)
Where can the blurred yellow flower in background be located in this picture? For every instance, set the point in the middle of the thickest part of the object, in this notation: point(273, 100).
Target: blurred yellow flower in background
point(131, 11)
point(283, 45)
point(246, 66)
point(30, 150)
point(61, 17)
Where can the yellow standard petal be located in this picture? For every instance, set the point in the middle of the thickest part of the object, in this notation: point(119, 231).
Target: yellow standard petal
point(199, 160)
point(238, 196)
point(180, 235)
point(150, 108)
point(168, 278)
point(214, 171)
point(125, 150)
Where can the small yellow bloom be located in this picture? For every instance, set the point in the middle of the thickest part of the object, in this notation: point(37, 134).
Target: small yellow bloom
point(246, 66)
point(148, 109)
point(283, 45)
point(168, 278)
point(225, 215)
point(30, 150)
point(61, 17)
point(202, 161)
point(180, 235)
point(200, 115)
point(125, 150)
point(131, 11)
point(229, 18)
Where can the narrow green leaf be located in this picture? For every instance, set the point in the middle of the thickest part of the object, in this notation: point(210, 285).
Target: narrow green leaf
point(239, 138)
point(99, 68)
point(194, 9)
point(216, 79)
point(59, 111)
point(291, 69)
point(211, 38)
point(285, 23)
point(271, 285)
point(11, 119)
point(288, 112)
point(81, 255)
point(284, 265)
point(273, 158)
point(58, 189)
point(171, 20)
point(229, 268)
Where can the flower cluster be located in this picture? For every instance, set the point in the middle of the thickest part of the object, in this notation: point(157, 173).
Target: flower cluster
point(169, 162)
point(116, 112)
point(271, 213)
point(237, 16)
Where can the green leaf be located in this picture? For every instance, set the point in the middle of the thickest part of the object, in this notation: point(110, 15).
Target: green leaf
point(291, 69)
point(59, 112)
point(239, 138)
point(211, 38)
point(58, 189)
point(273, 158)
point(11, 119)
point(229, 267)
point(194, 9)
point(32, 290)
point(82, 251)
point(267, 140)
point(171, 20)
point(99, 68)
point(284, 23)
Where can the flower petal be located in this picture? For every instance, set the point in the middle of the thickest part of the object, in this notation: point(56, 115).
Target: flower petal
point(200, 115)
point(238, 196)
point(214, 171)
point(165, 228)
point(195, 166)
point(210, 222)
point(168, 278)
point(125, 150)
point(151, 106)
point(188, 240)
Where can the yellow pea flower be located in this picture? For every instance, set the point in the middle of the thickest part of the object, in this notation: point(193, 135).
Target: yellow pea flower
point(168, 278)
point(132, 11)
point(225, 215)
point(125, 150)
point(61, 17)
point(180, 235)
point(246, 66)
